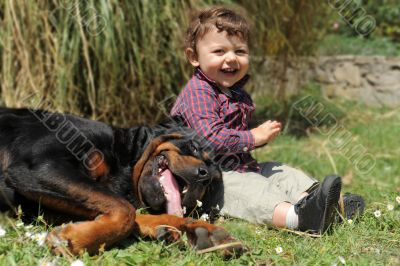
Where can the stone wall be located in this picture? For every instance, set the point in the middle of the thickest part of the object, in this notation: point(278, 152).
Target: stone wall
point(373, 80)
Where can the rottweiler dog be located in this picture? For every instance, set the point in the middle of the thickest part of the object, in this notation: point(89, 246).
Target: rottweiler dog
point(102, 174)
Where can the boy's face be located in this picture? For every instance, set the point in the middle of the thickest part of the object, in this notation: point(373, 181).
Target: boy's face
point(222, 58)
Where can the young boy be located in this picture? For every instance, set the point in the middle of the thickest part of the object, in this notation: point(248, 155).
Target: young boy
point(215, 105)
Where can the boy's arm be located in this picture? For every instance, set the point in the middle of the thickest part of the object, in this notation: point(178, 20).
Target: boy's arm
point(201, 110)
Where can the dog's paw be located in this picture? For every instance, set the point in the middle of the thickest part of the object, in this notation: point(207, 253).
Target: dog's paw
point(66, 239)
point(209, 237)
point(168, 234)
point(55, 242)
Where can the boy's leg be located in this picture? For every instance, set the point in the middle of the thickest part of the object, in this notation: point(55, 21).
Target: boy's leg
point(290, 181)
point(351, 205)
point(253, 197)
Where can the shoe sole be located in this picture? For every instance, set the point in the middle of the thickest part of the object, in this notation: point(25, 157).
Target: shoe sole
point(333, 186)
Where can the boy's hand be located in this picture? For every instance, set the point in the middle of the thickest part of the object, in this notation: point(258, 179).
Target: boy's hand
point(266, 132)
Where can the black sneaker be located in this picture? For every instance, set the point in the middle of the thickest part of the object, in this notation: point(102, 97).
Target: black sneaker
point(351, 206)
point(317, 210)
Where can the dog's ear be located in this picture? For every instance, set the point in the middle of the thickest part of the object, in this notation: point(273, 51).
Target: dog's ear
point(171, 124)
point(179, 120)
point(147, 154)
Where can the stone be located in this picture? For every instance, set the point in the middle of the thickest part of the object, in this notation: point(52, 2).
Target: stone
point(387, 78)
point(323, 76)
point(350, 73)
point(373, 80)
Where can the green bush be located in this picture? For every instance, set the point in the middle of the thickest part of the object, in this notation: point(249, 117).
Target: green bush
point(385, 12)
point(387, 16)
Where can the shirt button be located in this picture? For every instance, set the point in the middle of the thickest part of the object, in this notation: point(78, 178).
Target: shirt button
point(245, 149)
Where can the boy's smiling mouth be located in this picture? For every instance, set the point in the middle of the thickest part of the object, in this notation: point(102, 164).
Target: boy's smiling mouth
point(230, 71)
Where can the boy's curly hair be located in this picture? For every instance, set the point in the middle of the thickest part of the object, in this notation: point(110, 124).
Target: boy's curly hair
point(222, 18)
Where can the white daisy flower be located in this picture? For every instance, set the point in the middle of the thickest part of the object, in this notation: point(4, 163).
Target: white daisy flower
point(184, 210)
point(204, 217)
point(77, 263)
point(342, 260)
point(390, 207)
point(29, 226)
point(2, 231)
point(377, 213)
point(199, 203)
point(46, 262)
point(217, 207)
point(278, 250)
point(349, 221)
point(40, 238)
point(19, 224)
point(398, 199)
point(28, 234)
point(387, 168)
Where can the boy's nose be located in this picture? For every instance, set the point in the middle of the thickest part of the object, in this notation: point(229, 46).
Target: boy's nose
point(230, 57)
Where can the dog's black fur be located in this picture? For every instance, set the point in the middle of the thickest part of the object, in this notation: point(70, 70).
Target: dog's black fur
point(89, 169)
point(32, 155)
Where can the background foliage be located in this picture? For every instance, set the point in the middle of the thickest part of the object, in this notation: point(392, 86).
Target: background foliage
point(121, 61)
point(386, 14)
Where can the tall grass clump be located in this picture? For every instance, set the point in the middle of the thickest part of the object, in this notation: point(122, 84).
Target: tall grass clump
point(106, 59)
point(118, 61)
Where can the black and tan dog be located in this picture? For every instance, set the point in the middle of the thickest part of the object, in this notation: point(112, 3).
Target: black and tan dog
point(102, 174)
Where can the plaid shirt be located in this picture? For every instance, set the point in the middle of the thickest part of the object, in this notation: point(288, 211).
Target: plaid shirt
point(221, 117)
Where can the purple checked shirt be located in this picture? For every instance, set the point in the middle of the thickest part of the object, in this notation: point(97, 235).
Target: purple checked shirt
point(221, 117)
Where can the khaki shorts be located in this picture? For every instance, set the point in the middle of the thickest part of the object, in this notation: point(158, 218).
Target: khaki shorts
point(253, 197)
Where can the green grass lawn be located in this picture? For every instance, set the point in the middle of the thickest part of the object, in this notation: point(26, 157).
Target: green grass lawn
point(369, 241)
point(335, 44)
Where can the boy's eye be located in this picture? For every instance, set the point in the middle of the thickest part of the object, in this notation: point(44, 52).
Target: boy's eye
point(241, 51)
point(218, 51)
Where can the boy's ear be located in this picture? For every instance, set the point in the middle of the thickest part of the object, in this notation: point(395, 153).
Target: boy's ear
point(192, 57)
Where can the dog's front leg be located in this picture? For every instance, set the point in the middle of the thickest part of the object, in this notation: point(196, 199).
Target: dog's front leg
point(201, 235)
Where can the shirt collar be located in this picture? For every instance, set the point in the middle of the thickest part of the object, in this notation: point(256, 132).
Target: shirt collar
point(236, 87)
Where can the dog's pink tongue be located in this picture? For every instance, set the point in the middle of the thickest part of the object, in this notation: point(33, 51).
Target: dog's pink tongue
point(172, 194)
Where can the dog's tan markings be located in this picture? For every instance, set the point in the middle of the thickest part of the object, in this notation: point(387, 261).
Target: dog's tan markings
point(97, 165)
point(166, 146)
point(114, 220)
point(178, 160)
point(148, 154)
point(206, 156)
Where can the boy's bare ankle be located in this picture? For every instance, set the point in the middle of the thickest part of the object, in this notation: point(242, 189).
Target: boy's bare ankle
point(280, 212)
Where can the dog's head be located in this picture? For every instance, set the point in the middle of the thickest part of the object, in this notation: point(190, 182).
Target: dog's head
point(173, 173)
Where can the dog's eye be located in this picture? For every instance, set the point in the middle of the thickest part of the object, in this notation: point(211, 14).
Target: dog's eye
point(194, 149)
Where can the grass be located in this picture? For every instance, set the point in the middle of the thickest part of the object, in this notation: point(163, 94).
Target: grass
point(369, 241)
point(335, 44)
